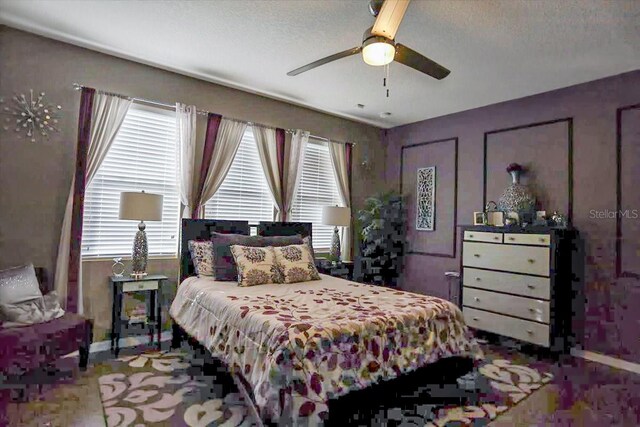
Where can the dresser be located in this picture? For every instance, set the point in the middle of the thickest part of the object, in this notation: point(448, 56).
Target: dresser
point(519, 282)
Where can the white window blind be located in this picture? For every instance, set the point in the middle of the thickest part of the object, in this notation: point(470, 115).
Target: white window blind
point(142, 157)
point(244, 193)
point(316, 188)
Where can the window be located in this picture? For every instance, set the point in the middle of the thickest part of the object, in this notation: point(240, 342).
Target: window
point(244, 193)
point(142, 157)
point(316, 188)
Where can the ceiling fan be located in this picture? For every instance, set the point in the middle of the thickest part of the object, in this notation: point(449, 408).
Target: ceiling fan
point(379, 46)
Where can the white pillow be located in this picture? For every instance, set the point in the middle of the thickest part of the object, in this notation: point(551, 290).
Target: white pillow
point(18, 285)
point(31, 312)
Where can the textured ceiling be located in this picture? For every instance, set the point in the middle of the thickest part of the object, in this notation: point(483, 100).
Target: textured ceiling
point(496, 50)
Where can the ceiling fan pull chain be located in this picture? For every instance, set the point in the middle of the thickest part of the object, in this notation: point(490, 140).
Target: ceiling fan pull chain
point(386, 77)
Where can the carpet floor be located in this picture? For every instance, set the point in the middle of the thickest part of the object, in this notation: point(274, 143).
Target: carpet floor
point(166, 388)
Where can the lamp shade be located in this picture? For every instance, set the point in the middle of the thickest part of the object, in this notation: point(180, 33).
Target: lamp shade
point(140, 206)
point(336, 215)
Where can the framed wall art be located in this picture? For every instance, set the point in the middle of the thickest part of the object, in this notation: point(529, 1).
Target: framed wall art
point(426, 197)
point(479, 218)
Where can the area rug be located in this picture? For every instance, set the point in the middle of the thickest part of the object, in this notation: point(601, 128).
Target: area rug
point(177, 389)
point(167, 388)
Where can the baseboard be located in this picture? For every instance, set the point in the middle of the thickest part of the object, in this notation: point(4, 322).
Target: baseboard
point(132, 341)
point(606, 360)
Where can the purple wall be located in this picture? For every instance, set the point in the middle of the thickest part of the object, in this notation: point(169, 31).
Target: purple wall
point(569, 138)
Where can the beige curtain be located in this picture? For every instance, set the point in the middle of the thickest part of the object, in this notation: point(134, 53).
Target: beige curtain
point(294, 149)
point(268, 151)
point(186, 155)
point(229, 137)
point(338, 154)
point(108, 113)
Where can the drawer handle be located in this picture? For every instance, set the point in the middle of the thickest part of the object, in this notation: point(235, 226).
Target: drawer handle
point(531, 287)
point(478, 279)
point(496, 238)
point(529, 331)
point(531, 260)
point(512, 238)
point(532, 309)
point(476, 319)
point(476, 298)
point(476, 255)
point(542, 239)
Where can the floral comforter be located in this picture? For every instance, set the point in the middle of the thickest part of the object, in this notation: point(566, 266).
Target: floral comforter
point(298, 345)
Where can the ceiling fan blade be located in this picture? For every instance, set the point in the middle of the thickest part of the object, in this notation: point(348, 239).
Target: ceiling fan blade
point(413, 59)
point(326, 60)
point(389, 18)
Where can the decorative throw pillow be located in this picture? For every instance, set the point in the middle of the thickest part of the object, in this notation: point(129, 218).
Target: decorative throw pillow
point(296, 263)
point(23, 313)
point(52, 309)
point(224, 266)
point(275, 241)
point(307, 241)
point(202, 256)
point(31, 312)
point(256, 265)
point(19, 284)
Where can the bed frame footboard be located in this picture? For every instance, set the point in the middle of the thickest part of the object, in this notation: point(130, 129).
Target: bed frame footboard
point(177, 335)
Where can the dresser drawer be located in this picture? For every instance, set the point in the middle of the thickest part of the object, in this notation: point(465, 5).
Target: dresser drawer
point(140, 286)
point(525, 308)
point(483, 236)
point(519, 259)
point(518, 284)
point(527, 239)
point(508, 326)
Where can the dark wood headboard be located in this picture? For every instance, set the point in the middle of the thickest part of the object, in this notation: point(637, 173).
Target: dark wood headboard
point(285, 229)
point(201, 229)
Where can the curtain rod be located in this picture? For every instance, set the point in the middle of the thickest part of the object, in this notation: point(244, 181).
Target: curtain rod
point(78, 86)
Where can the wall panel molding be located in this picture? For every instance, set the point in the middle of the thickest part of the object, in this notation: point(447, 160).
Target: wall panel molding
point(569, 121)
point(619, 111)
point(453, 253)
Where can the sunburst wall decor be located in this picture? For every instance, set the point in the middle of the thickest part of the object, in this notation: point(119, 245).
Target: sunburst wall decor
point(31, 115)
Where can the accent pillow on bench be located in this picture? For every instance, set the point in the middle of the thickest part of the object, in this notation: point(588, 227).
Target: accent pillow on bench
point(22, 302)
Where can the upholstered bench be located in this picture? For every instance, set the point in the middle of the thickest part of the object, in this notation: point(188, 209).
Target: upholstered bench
point(23, 349)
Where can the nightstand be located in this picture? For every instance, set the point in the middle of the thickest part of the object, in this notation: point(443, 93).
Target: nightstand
point(342, 269)
point(151, 285)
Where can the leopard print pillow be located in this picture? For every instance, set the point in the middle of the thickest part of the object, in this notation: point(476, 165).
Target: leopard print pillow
point(296, 263)
point(202, 256)
point(256, 265)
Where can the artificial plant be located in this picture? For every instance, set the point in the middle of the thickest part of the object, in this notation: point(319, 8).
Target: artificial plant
point(381, 237)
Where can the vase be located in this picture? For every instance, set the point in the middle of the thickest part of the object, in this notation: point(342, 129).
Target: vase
point(516, 197)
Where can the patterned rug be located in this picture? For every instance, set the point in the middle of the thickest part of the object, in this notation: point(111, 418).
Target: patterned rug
point(172, 389)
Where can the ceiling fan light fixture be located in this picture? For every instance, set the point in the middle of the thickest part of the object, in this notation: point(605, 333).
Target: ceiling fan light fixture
point(378, 51)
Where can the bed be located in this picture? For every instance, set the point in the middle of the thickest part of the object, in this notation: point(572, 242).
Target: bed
point(297, 346)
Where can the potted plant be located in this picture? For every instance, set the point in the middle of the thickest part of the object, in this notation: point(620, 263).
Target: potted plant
point(381, 237)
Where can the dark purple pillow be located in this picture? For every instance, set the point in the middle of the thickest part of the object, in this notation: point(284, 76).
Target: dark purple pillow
point(278, 241)
point(224, 266)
